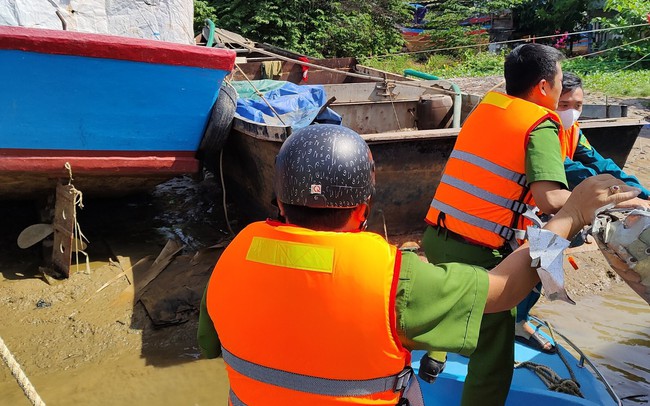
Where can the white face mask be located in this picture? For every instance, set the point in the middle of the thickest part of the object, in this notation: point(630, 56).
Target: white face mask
point(568, 117)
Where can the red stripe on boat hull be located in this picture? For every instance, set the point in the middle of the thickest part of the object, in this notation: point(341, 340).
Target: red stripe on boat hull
point(108, 164)
point(114, 47)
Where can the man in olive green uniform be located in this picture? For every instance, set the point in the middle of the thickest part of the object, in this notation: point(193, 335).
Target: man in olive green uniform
point(534, 76)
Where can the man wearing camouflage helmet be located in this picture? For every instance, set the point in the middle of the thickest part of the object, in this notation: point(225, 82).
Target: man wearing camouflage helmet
point(317, 311)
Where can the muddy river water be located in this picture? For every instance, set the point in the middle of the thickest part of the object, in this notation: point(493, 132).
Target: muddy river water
point(613, 330)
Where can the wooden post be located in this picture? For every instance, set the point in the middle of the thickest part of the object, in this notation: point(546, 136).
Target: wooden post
point(64, 223)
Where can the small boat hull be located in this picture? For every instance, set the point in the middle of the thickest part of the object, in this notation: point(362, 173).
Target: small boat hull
point(526, 387)
point(123, 110)
point(409, 161)
point(407, 173)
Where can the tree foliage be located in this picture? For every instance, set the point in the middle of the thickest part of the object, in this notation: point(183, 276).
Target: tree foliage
point(629, 12)
point(318, 28)
point(544, 17)
point(444, 20)
point(202, 11)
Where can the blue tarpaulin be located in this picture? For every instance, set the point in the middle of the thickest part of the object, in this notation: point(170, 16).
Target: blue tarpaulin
point(296, 105)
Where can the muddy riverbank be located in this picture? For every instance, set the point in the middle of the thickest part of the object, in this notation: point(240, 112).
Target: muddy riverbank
point(102, 337)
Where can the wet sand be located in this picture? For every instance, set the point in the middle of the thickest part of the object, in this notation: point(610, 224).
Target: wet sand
point(83, 347)
point(80, 346)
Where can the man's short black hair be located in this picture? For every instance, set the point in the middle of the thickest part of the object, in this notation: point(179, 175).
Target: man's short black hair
point(527, 64)
point(570, 82)
point(319, 219)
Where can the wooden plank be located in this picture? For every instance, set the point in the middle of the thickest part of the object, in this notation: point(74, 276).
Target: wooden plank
point(64, 222)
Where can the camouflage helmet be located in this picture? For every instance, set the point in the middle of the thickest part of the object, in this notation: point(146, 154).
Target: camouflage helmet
point(324, 166)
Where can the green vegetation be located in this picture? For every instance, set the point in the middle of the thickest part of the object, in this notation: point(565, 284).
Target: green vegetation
point(605, 76)
point(202, 10)
point(621, 83)
point(367, 28)
point(443, 20)
point(542, 17)
point(628, 12)
point(599, 74)
point(316, 28)
point(468, 63)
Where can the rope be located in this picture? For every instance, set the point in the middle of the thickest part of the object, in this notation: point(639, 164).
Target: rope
point(20, 376)
point(223, 189)
point(510, 41)
point(550, 378)
point(609, 49)
point(559, 353)
point(635, 62)
point(78, 235)
point(260, 94)
point(392, 104)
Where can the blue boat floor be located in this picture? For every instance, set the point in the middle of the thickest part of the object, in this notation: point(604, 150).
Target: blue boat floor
point(526, 388)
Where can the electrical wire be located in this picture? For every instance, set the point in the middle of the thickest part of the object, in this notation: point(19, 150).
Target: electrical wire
point(634, 63)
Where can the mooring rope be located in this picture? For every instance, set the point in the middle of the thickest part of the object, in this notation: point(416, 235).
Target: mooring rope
point(20, 376)
point(78, 235)
point(223, 192)
point(550, 378)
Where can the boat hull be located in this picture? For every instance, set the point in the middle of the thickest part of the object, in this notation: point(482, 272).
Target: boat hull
point(408, 170)
point(110, 107)
point(613, 137)
point(526, 388)
point(409, 165)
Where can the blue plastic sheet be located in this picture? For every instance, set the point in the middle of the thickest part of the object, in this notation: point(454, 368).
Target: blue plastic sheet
point(292, 105)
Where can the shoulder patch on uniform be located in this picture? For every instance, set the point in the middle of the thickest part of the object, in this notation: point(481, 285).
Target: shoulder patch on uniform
point(584, 142)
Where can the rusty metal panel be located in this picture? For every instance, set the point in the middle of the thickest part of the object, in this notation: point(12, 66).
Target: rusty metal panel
point(387, 92)
point(64, 223)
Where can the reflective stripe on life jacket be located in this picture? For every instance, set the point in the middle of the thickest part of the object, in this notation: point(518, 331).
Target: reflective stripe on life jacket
point(308, 317)
point(483, 193)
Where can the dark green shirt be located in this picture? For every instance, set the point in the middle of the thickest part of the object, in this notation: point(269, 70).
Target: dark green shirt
point(439, 308)
point(544, 160)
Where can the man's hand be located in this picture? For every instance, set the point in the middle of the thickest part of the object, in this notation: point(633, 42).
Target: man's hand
point(513, 279)
point(591, 195)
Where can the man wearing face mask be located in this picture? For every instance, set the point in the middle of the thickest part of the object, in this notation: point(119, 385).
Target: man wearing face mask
point(582, 160)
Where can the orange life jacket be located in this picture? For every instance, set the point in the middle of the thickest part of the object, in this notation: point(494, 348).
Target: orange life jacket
point(572, 136)
point(308, 317)
point(483, 195)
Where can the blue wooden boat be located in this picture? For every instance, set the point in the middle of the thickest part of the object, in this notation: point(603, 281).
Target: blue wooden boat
point(527, 388)
point(123, 113)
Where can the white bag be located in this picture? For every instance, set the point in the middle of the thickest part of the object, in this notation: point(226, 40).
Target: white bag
point(166, 20)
